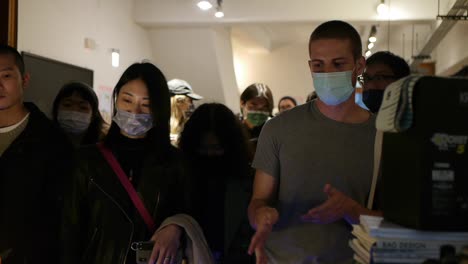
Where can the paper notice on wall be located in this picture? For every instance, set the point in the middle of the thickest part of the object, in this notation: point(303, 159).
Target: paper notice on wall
point(104, 94)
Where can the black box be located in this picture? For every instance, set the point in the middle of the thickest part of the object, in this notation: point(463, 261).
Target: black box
point(425, 168)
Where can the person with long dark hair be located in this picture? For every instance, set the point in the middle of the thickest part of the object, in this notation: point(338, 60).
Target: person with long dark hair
point(218, 153)
point(76, 111)
point(102, 216)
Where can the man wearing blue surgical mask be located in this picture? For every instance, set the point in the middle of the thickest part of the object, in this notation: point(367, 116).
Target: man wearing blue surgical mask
point(314, 162)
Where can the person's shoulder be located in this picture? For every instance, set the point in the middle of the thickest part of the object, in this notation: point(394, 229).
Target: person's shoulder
point(298, 110)
point(371, 120)
point(40, 124)
point(292, 115)
point(43, 131)
point(168, 155)
point(37, 119)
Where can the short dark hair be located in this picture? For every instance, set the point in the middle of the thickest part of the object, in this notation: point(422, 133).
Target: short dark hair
point(158, 92)
point(8, 50)
point(288, 98)
point(95, 129)
point(396, 63)
point(258, 90)
point(337, 29)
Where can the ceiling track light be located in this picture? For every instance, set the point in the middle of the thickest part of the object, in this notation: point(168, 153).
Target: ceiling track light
point(204, 5)
point(382, 9)
point(219, 9)
point(219, 13)
point(372, 34)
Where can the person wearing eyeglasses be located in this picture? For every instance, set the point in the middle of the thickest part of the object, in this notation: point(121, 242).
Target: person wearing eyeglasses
point(382, 69)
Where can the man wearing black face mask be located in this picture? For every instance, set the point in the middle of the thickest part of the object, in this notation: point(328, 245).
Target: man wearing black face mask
point(382, 69)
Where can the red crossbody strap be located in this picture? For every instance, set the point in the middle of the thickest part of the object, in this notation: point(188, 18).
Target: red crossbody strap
point(128, 187)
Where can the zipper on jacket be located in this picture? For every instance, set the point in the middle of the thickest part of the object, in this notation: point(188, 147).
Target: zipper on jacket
point(123, 211)
point(91, 241)
point(156, 206)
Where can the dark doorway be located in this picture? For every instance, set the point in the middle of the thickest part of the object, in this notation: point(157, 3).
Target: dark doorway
point(8, 22)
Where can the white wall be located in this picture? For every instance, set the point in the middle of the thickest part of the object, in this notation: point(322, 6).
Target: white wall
point(406, 40)
point(57, 28)
point(452, 52)
point(201, 56)
point(285, 70)
point(226, 68)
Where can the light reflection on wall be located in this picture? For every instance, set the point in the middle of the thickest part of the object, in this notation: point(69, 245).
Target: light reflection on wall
point(240, 72)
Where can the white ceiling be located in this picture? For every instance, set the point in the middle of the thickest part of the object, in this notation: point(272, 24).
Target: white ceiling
point(264, 25)
point(185, 12)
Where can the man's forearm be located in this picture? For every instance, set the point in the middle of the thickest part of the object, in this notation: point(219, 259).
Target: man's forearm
point(254, 205)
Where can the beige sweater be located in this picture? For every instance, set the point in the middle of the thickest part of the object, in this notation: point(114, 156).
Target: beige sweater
point(197, 250)
point(9, 134)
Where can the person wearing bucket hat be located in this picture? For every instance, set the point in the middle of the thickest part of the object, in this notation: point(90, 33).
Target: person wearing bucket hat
point(182, 97)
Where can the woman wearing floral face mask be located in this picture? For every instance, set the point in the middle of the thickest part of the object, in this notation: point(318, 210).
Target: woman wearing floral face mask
point(256, 107)
point(76, 111)
point(103, 217)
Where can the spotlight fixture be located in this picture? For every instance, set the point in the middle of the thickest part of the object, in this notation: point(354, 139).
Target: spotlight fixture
point(219, 9)
point(204, 5)
point(368, 53)
point(370, 46)
point(382, 9)
point(372, 34)
point(219, 14)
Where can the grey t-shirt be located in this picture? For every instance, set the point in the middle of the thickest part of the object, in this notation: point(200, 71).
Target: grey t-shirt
point(304, 150)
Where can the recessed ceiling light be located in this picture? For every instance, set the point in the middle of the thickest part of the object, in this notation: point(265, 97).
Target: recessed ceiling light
point(204, 5)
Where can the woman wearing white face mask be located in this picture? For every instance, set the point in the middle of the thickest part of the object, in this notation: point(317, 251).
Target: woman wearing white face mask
point(123, 189)
point(76, 111)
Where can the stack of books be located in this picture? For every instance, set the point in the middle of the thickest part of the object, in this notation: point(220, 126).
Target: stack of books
point(379, 241)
